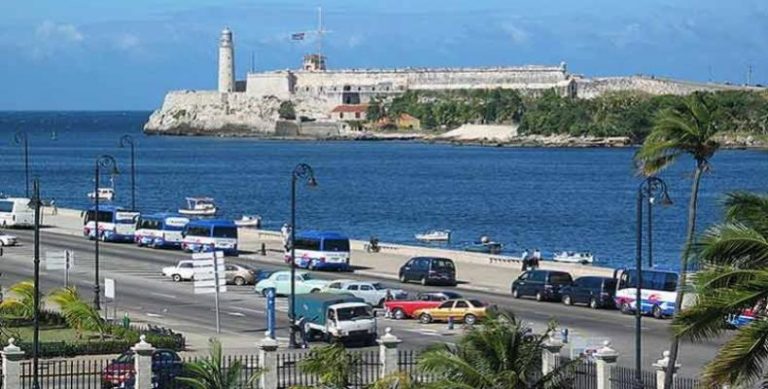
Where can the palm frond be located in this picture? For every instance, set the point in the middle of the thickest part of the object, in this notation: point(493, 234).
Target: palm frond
point(734, 245)
point(21, 301)
point(742, 358)
point(749, 209)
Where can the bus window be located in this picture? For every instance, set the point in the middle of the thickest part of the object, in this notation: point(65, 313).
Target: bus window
point(225, 232)
point(336, 245)
point(198, 231)
point(104, 216)
point(307, 244)
point(6, 206)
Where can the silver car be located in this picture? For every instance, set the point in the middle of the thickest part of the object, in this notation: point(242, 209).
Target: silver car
point(374, 293)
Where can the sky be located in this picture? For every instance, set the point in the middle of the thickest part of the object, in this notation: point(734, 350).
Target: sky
point(124, 55)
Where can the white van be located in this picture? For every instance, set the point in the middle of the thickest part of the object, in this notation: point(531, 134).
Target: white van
point(16, 212)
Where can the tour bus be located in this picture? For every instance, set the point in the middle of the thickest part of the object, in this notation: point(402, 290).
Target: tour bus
point(160, 230)
point(116, 224)
point(210, 235)
point(321, 250)
point(658, 292)
point(16, 212)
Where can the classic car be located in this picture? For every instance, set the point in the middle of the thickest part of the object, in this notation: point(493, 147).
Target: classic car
point(467, 311)
point(281, 281)
point(403, 309)
point(374, 293)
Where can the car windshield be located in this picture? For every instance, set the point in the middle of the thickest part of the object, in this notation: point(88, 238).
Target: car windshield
point(380, 286)
point(306, 277)
point(354, 313)
point(476, 303)
point(451, 295)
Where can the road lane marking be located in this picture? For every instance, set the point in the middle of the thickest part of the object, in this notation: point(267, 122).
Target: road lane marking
point(170, 296)
point(240, 314)
point(150, 314)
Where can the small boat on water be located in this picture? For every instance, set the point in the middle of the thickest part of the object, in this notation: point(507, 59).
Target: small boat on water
point(574, 257)
point(199, 206)
point(253, 221)
point(434, 236)
point(484, 245)
point(104, 194)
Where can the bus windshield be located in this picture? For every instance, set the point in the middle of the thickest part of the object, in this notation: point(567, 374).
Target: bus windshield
point(225, 232)
point(146, 224)
point(104, 216)
point(336, 245)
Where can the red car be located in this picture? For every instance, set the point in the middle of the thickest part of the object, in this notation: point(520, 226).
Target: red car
point(166, 364)
point(403, 309)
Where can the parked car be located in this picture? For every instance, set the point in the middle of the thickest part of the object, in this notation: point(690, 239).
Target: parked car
point(8, 239)
point(596, 292)
point(403, 309)
point(429, 270)
point(239, 274)
point(281, 281)
point(543, 284)
point(374, 293)
point(468, 311)
point(184, 270)
point(120, 373)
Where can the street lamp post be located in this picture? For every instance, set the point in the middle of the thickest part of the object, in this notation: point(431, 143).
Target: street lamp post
point(647, 189)
point(128, 140)
point(105, 161)
point(36, 202)
point(21, 138)
point(304, 172)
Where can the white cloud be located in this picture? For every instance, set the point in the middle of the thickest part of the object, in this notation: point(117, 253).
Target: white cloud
point(127, 42)
point(515, 33)
point(49, 31)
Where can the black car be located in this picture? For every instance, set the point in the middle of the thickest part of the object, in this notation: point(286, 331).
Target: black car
point(543, 284)
point(429, 270)
point(597, 292)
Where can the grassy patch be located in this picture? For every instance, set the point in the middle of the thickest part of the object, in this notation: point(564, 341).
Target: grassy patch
point(56, 334)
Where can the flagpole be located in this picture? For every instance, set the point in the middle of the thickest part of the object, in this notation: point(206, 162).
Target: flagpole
point(320, 32)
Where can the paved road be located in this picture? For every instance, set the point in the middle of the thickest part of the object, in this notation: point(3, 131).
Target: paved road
point(148, 296)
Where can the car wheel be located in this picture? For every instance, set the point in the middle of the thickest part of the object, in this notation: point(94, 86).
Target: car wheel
point(312, 265)
point(657, 313)
point(264, 292)
point(425, 318)
point(176, 278)
point(103, 237)
point(470, 319)
point(239, 281)
point(424, 281)
point(567, 300)
point(2, 243)
point(539, 296)
point(398, 314)
point(515, 293)
point(314, 290)
point(626, 309)
point(402, 278)
point(593, 303)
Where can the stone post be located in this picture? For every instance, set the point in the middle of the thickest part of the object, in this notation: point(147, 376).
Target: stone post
point(268, 363)
point(606, 359)
point(12, 356)
point(661, 369)
point(550, 355)
point(142, 360)
point(388, 354)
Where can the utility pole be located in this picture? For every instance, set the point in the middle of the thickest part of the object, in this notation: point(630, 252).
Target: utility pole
point(749, 74)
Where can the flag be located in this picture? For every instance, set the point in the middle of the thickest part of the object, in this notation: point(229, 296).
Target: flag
point(299, 36)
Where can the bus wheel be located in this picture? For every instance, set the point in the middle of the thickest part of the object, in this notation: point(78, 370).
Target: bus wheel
point(626, 309)
point(657, 313)
point(312, 265)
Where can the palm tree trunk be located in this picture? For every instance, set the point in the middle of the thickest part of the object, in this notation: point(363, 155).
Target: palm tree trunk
point(692, 206)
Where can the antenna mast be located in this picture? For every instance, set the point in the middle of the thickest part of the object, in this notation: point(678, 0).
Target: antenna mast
point(320, 31)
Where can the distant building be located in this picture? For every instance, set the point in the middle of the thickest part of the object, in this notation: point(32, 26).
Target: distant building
point(407, 121)
point(351, 116)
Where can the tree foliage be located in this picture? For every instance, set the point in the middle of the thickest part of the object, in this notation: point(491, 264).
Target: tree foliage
point(21, 303)
point(287, 110)
point(623, 113)
point(734, 258)
point(79, 314)
point(212, 373)
point(332, 365)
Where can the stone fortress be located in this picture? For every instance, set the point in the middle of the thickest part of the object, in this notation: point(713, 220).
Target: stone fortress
point(250, 107)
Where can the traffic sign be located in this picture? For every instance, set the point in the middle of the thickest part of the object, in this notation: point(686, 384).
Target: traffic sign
point(59, 260)
point(109, 288)
point(205, 274)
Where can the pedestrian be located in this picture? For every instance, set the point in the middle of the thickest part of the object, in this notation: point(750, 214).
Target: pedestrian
point(536, 258)
point(524, 258)
point(285, 231)
point(55, 210)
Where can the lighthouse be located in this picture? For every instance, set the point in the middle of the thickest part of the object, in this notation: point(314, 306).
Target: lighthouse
point(226, 62)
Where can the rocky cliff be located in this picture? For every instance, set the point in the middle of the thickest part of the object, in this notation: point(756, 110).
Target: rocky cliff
point(210, 112)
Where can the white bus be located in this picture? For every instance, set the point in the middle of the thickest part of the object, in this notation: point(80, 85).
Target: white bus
point(160, 230)
point(116, 224)
point(658, 292)
point(16, 212)
point(321, 250)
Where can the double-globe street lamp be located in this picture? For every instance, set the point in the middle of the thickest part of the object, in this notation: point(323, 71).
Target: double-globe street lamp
point(20, 138)
point(304, 172)
point(650, 188)
point(107, 162)
point(128, 140)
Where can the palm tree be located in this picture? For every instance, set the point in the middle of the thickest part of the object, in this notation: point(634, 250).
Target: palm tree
point(79, 315)
point(686, 130)
point(498, 355)
point(734, 257)
point(211, 372)
point(22, 302)
point(332, 365)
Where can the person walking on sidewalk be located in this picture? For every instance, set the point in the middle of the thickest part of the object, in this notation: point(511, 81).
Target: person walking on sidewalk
point(54, 210)
point(524, 258)
point(536, 259)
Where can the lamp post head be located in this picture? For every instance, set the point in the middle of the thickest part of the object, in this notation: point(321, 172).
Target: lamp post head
point(108, 161)
point(126, 140)
point(19, 137)
point(312, 182)
point(665, 200)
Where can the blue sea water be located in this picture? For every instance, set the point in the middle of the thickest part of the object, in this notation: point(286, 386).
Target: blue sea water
point(552, 199)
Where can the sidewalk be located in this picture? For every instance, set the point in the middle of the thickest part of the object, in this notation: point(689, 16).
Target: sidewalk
point(475, 271)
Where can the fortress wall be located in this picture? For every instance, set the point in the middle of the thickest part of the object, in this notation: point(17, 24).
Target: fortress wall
point(278, 84)
point(590, 88)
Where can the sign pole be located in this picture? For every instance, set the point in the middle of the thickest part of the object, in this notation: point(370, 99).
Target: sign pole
point(66, 271)
point(216, 280)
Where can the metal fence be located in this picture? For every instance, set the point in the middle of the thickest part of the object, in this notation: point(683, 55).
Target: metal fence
point(70, 374)
point(407, 361)
point(365, 368)
point(624, 378)
point(247, 377)
point(580, 374)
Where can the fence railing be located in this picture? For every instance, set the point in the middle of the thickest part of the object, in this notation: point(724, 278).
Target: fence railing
point(72, 373)
point(580, 374)
point(624, 378)
point(289, 372)
point(407, 362)
point(365, 369)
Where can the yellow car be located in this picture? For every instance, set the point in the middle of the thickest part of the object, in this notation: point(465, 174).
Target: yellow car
point(468, 311)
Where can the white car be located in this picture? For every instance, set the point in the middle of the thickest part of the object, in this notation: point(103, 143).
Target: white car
point(8, 240)
point(374, 293)
point(184, 270)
